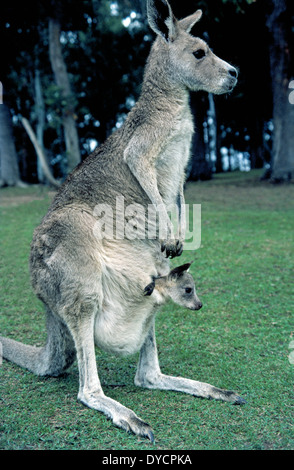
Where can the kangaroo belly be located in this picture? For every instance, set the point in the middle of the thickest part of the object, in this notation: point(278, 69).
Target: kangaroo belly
point(122, 332)
point(124, 319)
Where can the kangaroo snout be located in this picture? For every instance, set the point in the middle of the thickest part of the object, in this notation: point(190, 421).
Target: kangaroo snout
point(231, 80)
point(233, 72)
point(197, 306)
point(233, 76)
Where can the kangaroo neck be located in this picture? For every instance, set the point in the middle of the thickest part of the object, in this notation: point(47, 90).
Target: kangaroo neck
point(159, 81)
point(162, 89)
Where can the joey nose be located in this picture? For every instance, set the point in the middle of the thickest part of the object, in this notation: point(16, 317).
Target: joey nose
point(197, 306)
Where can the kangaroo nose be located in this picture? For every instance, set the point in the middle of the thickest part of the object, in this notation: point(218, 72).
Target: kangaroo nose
point(198, 306)
point(233, 72)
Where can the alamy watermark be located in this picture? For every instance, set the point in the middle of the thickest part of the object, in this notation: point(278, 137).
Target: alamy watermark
point(137, 222)
point(1, 93)
point(291, 355)
point(291, 96)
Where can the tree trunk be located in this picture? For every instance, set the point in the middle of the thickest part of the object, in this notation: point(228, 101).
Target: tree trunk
point(62, 81)
point(199, 168)
point(257, 149)
point(40, 114)
point(279, 25)
point(212, 133)
point(9, 171)
point(40, 153)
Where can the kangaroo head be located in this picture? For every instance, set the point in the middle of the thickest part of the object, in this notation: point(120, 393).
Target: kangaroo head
point(190, 62)
point(178, 285)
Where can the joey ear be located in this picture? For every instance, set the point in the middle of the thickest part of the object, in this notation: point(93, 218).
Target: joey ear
point(188, 22)
point(149, 289)
point(161, 19)
point(179, 270)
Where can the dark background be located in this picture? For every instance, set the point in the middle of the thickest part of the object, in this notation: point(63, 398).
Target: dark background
point(104, 61)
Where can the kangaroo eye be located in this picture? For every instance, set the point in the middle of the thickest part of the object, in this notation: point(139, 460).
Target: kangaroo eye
point(188, 290)
point(199, 54)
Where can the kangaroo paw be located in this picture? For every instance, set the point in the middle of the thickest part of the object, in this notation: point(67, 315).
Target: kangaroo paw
point(121, 416)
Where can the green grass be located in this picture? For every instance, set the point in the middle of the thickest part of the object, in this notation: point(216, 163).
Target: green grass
point(239, 340)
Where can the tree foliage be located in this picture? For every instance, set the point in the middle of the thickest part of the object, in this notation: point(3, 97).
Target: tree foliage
point(104, 45)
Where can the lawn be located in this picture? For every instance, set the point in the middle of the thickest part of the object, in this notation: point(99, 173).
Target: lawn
point(239, 340)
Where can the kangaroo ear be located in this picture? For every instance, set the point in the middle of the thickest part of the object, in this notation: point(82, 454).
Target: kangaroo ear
point(188, 22)
point(179, 271)
point(161, 19)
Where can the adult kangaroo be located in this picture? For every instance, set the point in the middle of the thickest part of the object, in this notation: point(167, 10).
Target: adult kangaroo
point(105, 290)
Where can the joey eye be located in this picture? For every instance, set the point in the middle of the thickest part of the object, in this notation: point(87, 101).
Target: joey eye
point(188, 290)
point(199, 54)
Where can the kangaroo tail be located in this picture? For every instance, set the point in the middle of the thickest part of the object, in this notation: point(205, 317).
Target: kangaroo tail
point(29, 357)
point(52, 359)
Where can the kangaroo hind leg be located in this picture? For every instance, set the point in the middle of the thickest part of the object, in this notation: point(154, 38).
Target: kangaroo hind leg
point(149, 375)
point(81, 325)
point(52, 359)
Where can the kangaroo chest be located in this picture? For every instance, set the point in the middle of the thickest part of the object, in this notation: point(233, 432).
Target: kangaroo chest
point(172, 160)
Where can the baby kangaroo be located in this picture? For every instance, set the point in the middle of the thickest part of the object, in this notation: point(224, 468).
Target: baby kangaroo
point(178, 286)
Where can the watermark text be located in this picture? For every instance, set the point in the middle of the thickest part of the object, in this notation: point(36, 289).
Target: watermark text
point(291, 355)
point(137, 222)
point(291, 96)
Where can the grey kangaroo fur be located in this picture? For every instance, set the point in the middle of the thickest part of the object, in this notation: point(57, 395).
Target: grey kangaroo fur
point(106, 291)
